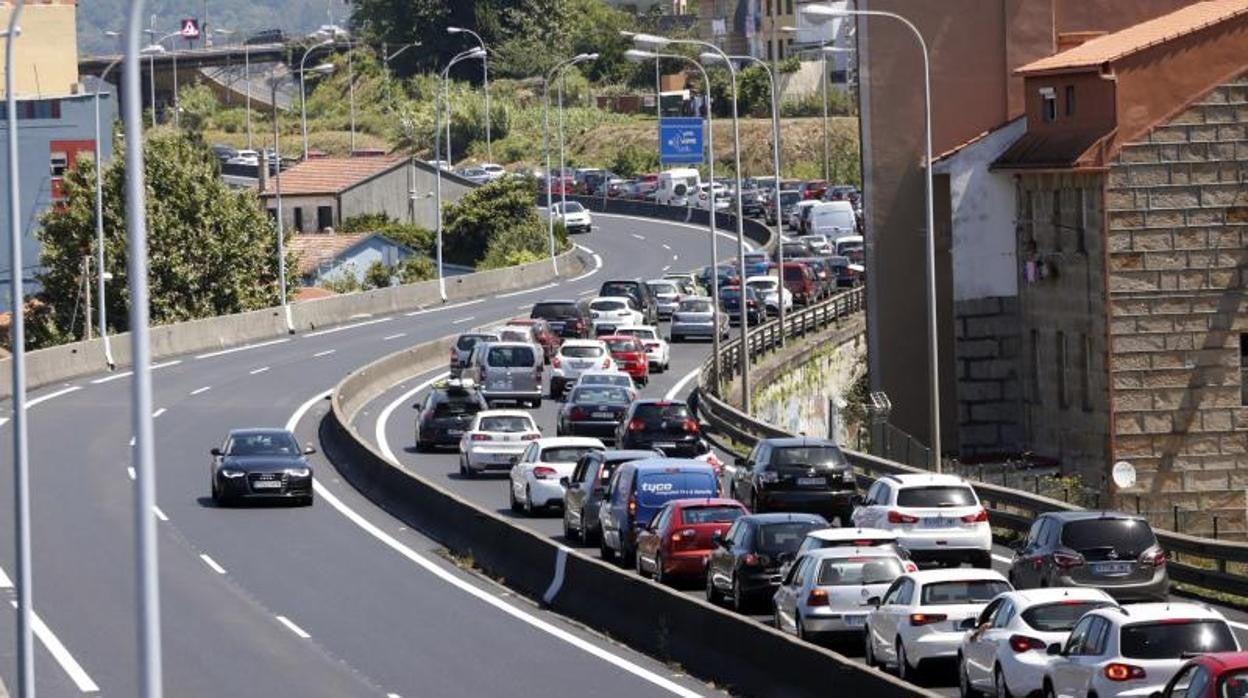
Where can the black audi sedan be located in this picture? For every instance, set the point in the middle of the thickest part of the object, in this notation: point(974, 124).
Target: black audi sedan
point(593, 410)
point(261, 464)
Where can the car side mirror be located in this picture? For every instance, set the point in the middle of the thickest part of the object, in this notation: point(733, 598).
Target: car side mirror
point(309, 449)
point(969, 624)
point(717, 538)
point(565, 482)
point(1054, 649)
point(874, 602)
point(215, 451)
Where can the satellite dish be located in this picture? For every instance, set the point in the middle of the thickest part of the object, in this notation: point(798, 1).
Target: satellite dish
point(1124, 475)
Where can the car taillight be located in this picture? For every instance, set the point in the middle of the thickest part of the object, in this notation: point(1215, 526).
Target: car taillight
point(978, 517)
point(578, 413)
point(687, 538)
point(1022, 643)
point(632, 506)
point(543, 472)
point(817, 597)
point(1067, 560)
point(689, 425)
point(753, 560)
point(636, 425)
point(606, 363)
point(896, 517)
point(530, 436)
point(911, 567)
point(554, 361)
point(1153, 556)
point(1123, 672)
point(926, 618)
point(480, 437)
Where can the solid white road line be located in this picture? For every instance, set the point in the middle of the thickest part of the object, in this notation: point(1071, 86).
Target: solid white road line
point(528, 290)
point(160, 515)
point(262, 369)
point(1002, 558)
point(130, 471)
point(666, 268)
point(667, 247)
point(303, 634)
point(351, 326)
point(591, 272)
point(444, 307)
point(387, 338)
point(159, 412)
point(245, 347)
point(212, 564)
point(435, 569)
point(113, 377)
point(44, 398)
point(699, 228)
point(639, 237)
point(62, 656)
point(204, 389)
point(677, 389)
point(462, 320)
point(327, 352)
point(132, 440)
point(587, 291)
point(384, 418)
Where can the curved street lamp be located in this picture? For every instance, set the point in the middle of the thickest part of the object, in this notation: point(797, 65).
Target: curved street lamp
point(303, 92)
point(563, 189)
point(437, 152)
point(485, 84)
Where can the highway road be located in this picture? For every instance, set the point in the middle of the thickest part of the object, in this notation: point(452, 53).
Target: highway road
point(339, 599)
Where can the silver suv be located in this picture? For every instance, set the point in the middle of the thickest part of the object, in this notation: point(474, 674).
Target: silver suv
point(507, 371)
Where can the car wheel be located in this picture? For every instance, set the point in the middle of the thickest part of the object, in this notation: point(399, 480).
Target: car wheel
point(637, 566)
point(422, 447)
point(528, 502)
point(982, 559)
point(964, 681)
point(905, 671)
point(511, 497)
point(216, 494)
point(754, 503)
point(1048, 690)
point(739, 600)
point(677, 339)
point(868, 650)
point(606, 552)
point(713, 596)
point(567, 526)
point(658, 569)
point(1002, 689)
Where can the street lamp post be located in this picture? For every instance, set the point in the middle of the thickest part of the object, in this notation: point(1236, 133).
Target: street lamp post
point(437, 154)
point(823, 13)
point(151, 50)
point(485, 84)
point(99, 226)
point(387, 58)
point(303, 92)
point(550, 207)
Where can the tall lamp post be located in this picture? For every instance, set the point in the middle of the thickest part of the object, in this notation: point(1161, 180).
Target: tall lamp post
point(437, 152)
point(550, 208)
point(102, 312)
point(303, 91)
point(820, 13)
point(151, 50)
point(485, 83)
point(386, 58)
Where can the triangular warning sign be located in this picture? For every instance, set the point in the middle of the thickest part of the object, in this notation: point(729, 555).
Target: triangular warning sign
point(190, 29)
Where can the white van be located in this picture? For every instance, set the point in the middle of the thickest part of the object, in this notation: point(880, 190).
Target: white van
point(847, 243)
point(833, 219)
point(676, 186)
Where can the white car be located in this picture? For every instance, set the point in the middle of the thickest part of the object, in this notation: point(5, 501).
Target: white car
point(1007, 652)
point(657, 349)
point(769, 288)
point(826, 590)
point(574, 217)
point(494, 439)
point(924, 615)
point(493, 170)
point(249, 158)
point(1133, 651)
point(609, 312)
point(817, 242)
point(936, 517)
point(574, 357)
point(720, 192)
point(534, 481)
point(846, 537)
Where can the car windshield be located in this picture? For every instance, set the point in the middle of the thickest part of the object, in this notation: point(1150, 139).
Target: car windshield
point(784, 537)
point(937, 496)
point(695, 307)
point(266, 444)
point(506, 423)
point(468, 341)
point(857, 571)
point(606, 379)
point(456, 405)
point(709, 514)
point(623, 345)
point(601, 395)
point(510, 357)
point(808, 456)
point(658, 412)
point(573, 207)
point(1059, 617)
point(553, 311)
point(962, 592)
point(607, 305)
point(565, 454)
point(617, 289)
point(1129, 537)
point(1176, 637)
point(581, 352)
point(794, 250)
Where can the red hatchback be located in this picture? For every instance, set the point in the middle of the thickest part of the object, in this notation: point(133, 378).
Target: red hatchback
point(630, 356)
point(1219, 675)
point(678, 541)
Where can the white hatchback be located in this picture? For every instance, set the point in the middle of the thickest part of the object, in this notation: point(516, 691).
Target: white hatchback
point(576, 356)
point(658, 352)
point(535, 478)
point(609, 312)
point(495, 439)
point(1007, 652)
point(772, 293)
point(924, 614)
point(936, 517)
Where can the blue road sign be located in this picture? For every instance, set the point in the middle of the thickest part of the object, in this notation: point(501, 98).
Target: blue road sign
point(680, 140)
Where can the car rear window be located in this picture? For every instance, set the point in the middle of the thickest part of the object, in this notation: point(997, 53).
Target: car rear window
point(783, 537)
point(622, 379)
point(653, 489)
point(510, 357)
point(857, 571)
point(515, 335)
point(607, 305)
point(808, 456)
point(1129, 537)
point(1059, 617)
point(629, 344)
point(468, 341)
point(655, 412)
point(553, 311)
point(716, 513)
point(663, 288)
point(456, 405)
point(1171, 639)
point(789, 197)
point(637, 332)
point(937, 496)
point(962, 592)
point(565, 454)
point(618, 289)
point(509, 424)
point(600, 395)
point(581, 352)
point(695, 307)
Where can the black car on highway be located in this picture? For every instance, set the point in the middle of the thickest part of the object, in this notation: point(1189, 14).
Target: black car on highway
point(796, 474)
point(745, 564)
point(566, 318)
point(593, 410)
point(446, 413)
point(585, 489)
point(261, 464)
point(666, 425)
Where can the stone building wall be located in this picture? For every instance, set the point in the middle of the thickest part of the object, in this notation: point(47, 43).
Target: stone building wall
point(987, 346)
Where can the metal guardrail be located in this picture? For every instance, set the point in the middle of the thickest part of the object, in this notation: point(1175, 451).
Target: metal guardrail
point(1199, 562)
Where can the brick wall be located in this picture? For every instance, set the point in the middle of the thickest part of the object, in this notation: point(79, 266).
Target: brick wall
point(987, 347)
point(1177, 207)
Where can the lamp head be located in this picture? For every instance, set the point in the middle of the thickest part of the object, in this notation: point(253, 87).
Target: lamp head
point(821, 13)
point(712, 58)
point(454, 30)
point(322, 69)
point(651, 40)
point(637, 55)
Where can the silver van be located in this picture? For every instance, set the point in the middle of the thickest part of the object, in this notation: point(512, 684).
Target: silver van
point(507, 371)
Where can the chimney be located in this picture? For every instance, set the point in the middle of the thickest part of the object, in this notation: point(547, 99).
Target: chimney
point(1069, 40)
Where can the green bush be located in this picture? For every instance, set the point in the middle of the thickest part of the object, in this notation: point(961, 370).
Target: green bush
point(365, 223)
point(499, 214)
point(633, 159)
point(377, 275)
point(344, 282)
point(415, 268)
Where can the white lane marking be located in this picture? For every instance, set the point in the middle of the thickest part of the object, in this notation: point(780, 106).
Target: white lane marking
point(384, 417)
point(212, 564)
point(245, 347)
point(587, 291)
point(444, 307)
point(524, 306)
point(436, 570)
point(699, 228)
point(680, 385)
point(387, 338)
point(204, 389)
point(131, 440)
point(62, 656)
point(327, 352)
point(591, 272)
point(262, 369)
point(290, 625)
point(113, 377)
point(667, 267)
point(5, 582)
point(159, 412)
point(160, 515)
point(44, 398)
point(667, 247)
point(462, 320)
point(1002, 558)
point(3, 421)
point(528, 290)
point(130, 471)
point(639, 237)
point(561, 562)
point(675, 257)
point(351, 326)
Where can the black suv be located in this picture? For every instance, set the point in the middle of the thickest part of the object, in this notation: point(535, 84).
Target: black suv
point(745, 564)
point(796, 474)
point(638, 291)
point(666, 425)
point(446, 413)
point(566, 318)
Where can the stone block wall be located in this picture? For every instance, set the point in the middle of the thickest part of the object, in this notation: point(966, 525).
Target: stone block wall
point(987, 349)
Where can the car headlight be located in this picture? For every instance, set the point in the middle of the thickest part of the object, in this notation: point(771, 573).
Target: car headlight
point(230, 472)
point(298, 472)
point(848, 476)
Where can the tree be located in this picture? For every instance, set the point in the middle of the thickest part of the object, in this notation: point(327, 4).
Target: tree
point(493, 220)
point(198, 106)
point(211, 250)
point(415, 268)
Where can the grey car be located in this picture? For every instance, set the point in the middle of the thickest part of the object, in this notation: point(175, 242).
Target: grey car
point(826, 591)
point(697, 317)
point(507, 371)
point(1109, 550)
point(666, 296)
point(585, 488)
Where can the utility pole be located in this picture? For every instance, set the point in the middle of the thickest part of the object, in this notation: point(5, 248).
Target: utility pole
point(86, 284)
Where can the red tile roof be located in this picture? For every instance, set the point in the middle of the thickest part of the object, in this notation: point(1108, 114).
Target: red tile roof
point(331, 175)
point(311, 293)
point(1120, 44)
point(315, 249)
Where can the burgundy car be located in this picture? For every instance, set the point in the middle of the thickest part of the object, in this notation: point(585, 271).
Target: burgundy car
point(679, 539)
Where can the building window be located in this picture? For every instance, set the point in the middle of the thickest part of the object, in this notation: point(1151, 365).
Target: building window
point(1048, 104)
point(1085, 373)
point(1035, 367)
point(1057, 220)
point(299, 219)
point(768, 8)
point(788, 6)
point(34, 109)
point(1061, 370)
point(324, 217)
point(1243, 368)
point(60, 163)
point(1070, 100)
point(770, 50)
point(1081, 239)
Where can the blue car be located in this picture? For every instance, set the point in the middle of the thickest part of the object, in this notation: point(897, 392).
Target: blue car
point(638, 489)
point(757, 264)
